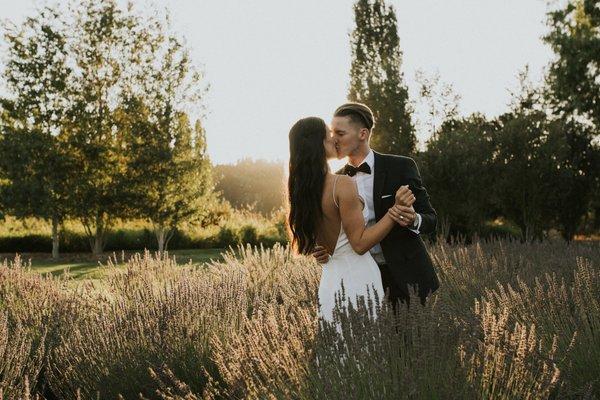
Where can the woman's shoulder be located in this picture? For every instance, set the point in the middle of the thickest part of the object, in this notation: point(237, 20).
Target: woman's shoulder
point(346, 184)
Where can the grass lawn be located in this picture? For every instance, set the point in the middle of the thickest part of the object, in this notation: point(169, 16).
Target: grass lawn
point(85, 266)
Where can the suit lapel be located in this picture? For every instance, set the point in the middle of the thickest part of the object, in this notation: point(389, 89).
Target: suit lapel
point(378, 182)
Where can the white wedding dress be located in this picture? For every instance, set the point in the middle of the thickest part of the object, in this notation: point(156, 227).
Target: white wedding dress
point(357, 272)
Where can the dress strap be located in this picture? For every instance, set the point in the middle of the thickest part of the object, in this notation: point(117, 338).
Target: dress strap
point(334, 184)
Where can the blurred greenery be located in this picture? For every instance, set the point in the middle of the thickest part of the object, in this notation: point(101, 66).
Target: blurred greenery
point(257, 184)
point(31, 235)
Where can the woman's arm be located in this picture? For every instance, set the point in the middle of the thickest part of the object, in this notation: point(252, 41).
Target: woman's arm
point(361, 238)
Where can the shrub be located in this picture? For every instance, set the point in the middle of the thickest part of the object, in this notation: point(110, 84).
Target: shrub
point(243, 227)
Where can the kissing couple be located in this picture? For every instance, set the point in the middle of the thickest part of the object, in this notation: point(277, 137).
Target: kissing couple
point(363, 223)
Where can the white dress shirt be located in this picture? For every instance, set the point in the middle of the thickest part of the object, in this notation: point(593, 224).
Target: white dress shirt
point(364, 182)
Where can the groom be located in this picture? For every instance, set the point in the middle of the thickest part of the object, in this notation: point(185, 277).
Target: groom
point(401, 256)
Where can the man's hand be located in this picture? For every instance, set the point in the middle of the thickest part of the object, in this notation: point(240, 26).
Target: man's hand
point(320, 254)
point(403, 212)
point(405, 197)
point(404, 216)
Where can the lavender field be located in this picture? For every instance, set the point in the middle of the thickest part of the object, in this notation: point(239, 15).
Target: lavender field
point(509, 321)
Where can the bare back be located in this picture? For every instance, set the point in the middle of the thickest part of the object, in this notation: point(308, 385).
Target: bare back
point(329, 230)
point(337, 187)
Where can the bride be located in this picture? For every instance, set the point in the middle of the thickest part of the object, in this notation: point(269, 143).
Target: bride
point(326, 209)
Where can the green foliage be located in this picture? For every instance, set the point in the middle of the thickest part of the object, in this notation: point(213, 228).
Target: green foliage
point(545, 172)
point(534, 170)
point(102, 52)
point(376, 78)
point(95, 127)
point(238, 227)
point(168, 170)
point(519, 163)
point(574, 77)
point(456, 173)
point(34, 166)
point(574, 174)
point(169, 179)
point(529, 167)
point(245, 227)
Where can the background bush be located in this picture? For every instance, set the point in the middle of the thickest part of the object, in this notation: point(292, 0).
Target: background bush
point(242, 226)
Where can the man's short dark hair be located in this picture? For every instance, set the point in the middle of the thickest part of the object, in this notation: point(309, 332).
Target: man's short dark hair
point(359, 114)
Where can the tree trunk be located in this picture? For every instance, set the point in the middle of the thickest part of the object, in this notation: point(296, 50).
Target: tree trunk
point(98, 246)
point(161, 238)
point(163, 235)
point(55, 237)
point(99, 236)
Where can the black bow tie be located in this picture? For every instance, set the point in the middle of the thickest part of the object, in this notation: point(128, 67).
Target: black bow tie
point(351, 170)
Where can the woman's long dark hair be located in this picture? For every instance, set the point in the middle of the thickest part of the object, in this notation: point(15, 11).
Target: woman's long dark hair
point(308, 168)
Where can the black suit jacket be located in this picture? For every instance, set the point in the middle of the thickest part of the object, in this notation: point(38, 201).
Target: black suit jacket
point(405, 253)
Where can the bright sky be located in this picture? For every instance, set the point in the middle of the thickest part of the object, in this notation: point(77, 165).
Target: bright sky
point(271, 62)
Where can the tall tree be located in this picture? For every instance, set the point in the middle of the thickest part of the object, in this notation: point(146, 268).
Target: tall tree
point(376, 78)
point(189, 195)
point(170, 181)
point(33, 161)
point(574, 77)
point(105, 40)
point(571, 170)
point(456, 170)
point(518, 168)
point(555, 152)
point(170, 172)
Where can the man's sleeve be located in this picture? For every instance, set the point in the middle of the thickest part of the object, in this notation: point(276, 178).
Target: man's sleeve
point(417, 223)
point(422, 205)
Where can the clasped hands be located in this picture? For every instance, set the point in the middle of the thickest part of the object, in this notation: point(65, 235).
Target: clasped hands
point(401, 212)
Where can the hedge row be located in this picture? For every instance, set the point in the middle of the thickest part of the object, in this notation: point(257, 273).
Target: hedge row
point(139, 239)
